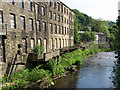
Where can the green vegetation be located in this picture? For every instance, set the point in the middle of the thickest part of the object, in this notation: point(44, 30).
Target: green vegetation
point(83, 22)
point(117, 76)
point(50, 69)
point(88, 36)
point(113, 34)
point(38, 49)
point(117, 38)
point(76, 29)
point(117, 47)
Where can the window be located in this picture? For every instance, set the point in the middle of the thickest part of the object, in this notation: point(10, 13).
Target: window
point(22, 22)
point(44, 26)
point(69, 18)
point(63, 43)
point(45, 45)
point(65, 20)
point(50, 14)
point(60, 43)
point(31, 24)
point(55, 16)
point(51, 43)
point(43, 11)
point(12, 21)
point(11, 2)
point(29, 5)
point(65, 31)
point(38, 25)
point(67, 43)
point(50, 3)
point(1, 17)
point(55, 28)
point(54, 4)
point(51, 31)
point(56, 44)
point(24, 45)
point(64, 10)
point(32, 43)
point(36, 8)
point(59, 29)
point(68, 31)
point(61, 8)
point(67, 11)
point(71, 33)
point(62, 30)
point(58, 18)
point(21, 3)
point(58, 6)
point(62, 18)
point(39, 42)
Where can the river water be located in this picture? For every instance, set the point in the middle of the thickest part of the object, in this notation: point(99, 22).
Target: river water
point(97, 73)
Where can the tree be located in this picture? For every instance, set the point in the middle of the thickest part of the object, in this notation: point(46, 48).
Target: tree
point(113, 31)
point(83, 19)
point(88, 36)
point(118, 37)
point(76, 34)
point(86, 23)
point(101, 26)
point(86, 28)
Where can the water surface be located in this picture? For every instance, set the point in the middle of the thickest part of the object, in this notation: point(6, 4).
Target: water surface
point(97, 74)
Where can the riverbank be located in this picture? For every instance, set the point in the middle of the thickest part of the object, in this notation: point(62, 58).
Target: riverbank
point(117, 74)
point(97, 73)
point(44, 74)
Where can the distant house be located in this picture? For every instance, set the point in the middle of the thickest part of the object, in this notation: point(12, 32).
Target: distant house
point(100, 40)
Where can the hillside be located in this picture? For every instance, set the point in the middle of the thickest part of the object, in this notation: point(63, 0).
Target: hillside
point(83, 22)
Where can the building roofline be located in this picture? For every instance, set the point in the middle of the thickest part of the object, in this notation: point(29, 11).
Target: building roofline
point(100, 33)
point(65, 5)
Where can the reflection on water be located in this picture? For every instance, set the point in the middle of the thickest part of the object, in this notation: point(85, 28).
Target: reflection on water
point(97, 75)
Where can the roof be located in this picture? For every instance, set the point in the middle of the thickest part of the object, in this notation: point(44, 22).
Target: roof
point(97, 33)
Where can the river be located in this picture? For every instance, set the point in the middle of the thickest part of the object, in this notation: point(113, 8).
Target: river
point(97, 73)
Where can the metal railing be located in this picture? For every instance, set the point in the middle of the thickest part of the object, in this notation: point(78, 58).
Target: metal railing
point(3, 29)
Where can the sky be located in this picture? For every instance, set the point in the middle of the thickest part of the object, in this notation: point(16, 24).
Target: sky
point(98, 9)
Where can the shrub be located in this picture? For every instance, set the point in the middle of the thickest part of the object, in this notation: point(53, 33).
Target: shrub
point(58, 70)
point(38, 49)
point(50, 65)
point(37, 74)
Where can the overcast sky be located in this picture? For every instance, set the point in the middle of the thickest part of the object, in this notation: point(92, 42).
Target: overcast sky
point(103, 9)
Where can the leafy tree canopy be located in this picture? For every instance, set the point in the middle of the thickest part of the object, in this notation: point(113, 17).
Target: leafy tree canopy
point(83, 22)
point(89, 36)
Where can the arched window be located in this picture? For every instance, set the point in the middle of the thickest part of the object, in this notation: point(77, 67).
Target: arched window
point(45, 45)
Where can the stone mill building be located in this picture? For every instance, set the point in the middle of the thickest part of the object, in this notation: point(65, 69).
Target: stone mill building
point(26, 23)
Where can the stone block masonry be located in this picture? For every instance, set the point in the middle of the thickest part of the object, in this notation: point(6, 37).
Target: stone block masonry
point(28, 23)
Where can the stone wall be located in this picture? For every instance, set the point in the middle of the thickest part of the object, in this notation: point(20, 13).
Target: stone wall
point(52, 42)
point(3, 68)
